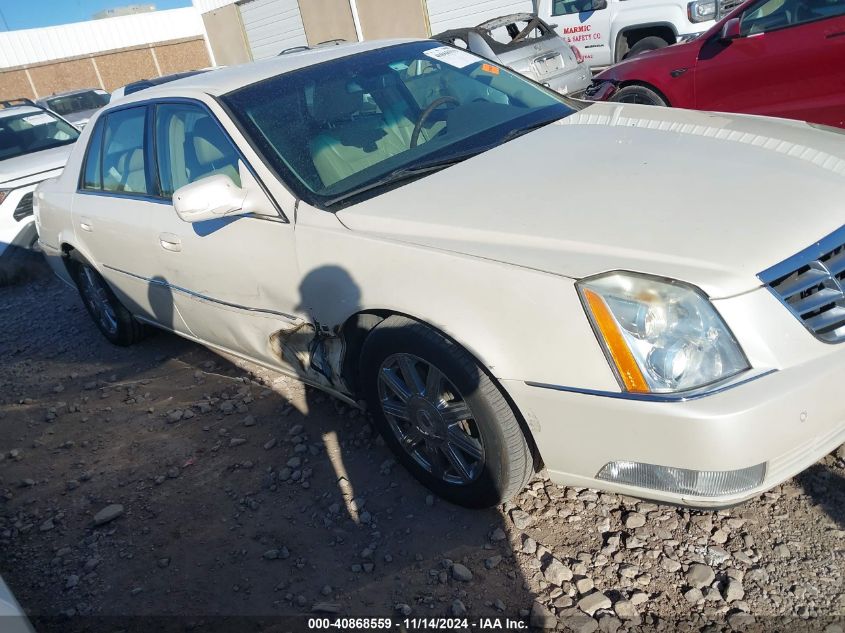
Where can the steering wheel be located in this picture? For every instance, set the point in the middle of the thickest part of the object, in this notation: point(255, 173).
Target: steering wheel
point(431, 107)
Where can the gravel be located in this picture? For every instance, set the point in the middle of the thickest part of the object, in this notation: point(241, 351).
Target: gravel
point(120, 494)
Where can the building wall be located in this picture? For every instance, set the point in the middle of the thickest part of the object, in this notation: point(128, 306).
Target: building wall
point(107, 70)
point(327, 20)
point(391, 18)
point(226, 35)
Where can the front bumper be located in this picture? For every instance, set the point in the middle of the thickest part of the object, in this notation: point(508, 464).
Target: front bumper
point(788, 420)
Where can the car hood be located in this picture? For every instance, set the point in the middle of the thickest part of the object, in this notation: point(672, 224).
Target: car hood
point(25, 168)
point(711, 199)
point(80, 118)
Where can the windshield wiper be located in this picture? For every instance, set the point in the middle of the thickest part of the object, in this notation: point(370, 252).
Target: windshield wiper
point(406, 173)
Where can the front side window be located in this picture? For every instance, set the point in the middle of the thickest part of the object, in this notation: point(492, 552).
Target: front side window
point(771, 15)
point(567, 7)
point(33, 131)
point(191, 145)
point(124, 163)
point(336, 128)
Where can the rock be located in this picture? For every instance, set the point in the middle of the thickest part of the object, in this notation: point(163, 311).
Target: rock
point(270, 554)
point(458, 609)
point(325, 607)
point(583, 585)
point(237, 441)
point(629, 571)
point(541, 617)
point(109, 513)
point(71, 581)
point(492, 562)
point(271, 443)
point(609, 624)
point(403, 608)
point(694, 596)
point(733, 590)
point(625, 609)
point(670, 564)
point(163, 562)
point(634, 520)
point(498, 535)
point(781, 552)
point(719, 536)
point(699, 575)
point(249, 421)
point(591, 603)
point(557, 573)
point(739, 621)
point(638, 598)
point(581, 624)
point(521, 519)
point(461, 573)
point(529, 545)
point(47, 526)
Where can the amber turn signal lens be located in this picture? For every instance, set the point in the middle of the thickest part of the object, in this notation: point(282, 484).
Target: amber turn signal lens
point(626, 364)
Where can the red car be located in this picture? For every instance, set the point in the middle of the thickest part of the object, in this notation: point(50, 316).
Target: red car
point(781, 58)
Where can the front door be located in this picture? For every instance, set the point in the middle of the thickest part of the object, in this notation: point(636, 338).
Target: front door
point(233, 280)
point(586, 28)
point(787, 62)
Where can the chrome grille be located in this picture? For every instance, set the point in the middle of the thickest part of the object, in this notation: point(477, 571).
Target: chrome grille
point(812, 285)
point(24, 208)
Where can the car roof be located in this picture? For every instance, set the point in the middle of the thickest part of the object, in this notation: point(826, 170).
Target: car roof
point(15, 110)
point(223, 80)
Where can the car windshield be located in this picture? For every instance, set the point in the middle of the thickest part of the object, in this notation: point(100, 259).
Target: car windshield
point(360, 123)
point(79, 102)
point(33, 132)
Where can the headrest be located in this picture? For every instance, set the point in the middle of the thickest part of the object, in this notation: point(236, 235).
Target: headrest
point(210, 144)
point(335, 100)
point(136, 160)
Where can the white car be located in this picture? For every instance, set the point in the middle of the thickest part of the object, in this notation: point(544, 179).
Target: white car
point(34, 145)
point(379, 233)
point(12, 617)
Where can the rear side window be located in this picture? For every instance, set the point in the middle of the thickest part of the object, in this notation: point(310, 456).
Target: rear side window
point(92, 176)
point(191, 145)
point(124, 165)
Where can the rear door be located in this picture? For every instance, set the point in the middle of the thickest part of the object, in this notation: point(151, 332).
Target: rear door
point(112, 210)
point(584, 27)
point(788, 62)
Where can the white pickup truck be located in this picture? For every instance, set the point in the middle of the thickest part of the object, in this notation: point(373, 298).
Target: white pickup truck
point(607, 31)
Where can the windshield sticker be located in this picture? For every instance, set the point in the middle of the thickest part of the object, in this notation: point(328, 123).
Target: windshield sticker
point(399, 66)
point(38, 119)
point(452, 56)
point(490, 68)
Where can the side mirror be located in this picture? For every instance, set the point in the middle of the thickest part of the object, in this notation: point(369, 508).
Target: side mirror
point(209, 198)
point(598, 5)
point(730, 30)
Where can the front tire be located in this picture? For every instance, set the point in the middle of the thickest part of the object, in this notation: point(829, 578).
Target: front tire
point(113, 320)
point(442, 415)
point(638, 94)
point(646, 44)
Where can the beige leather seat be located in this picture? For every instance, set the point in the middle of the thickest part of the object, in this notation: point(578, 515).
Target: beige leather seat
point(213, 152)
point(347, 143)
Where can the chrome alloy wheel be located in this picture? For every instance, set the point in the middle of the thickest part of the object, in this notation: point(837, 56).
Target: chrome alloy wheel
point(430, 418)
point(96, 295)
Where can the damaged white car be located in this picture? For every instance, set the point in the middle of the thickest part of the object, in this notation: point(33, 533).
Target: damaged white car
point(364, 217)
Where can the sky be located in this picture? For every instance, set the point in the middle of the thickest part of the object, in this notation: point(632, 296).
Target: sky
point(30, 14)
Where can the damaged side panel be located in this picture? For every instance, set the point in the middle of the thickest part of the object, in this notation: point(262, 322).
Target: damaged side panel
point(312, 351)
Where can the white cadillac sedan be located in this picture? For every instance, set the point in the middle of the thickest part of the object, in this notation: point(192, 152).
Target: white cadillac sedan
point(408, 224)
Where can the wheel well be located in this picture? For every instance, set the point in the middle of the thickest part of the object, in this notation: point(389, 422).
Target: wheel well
point(69, 256)
point(644, 84)
point(627, 39)
point(355, 331)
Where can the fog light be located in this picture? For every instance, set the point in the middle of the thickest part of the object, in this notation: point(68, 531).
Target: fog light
point(698, 483)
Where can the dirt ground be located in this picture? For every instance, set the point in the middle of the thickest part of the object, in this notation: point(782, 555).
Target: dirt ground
point(244, 495)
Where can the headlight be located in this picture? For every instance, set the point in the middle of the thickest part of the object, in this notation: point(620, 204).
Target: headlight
point(701, 10)
point(660, 335)
point(3, 194)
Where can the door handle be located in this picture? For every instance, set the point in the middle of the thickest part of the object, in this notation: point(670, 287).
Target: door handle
point(85, 225)
point(170, 242)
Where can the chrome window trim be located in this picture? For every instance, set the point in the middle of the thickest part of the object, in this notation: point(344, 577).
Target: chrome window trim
point(687, 396)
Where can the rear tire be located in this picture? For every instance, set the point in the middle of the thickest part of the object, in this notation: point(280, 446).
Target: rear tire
point(113, 320)
point(640, 95)
point(475, 455)
point(646, 44)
